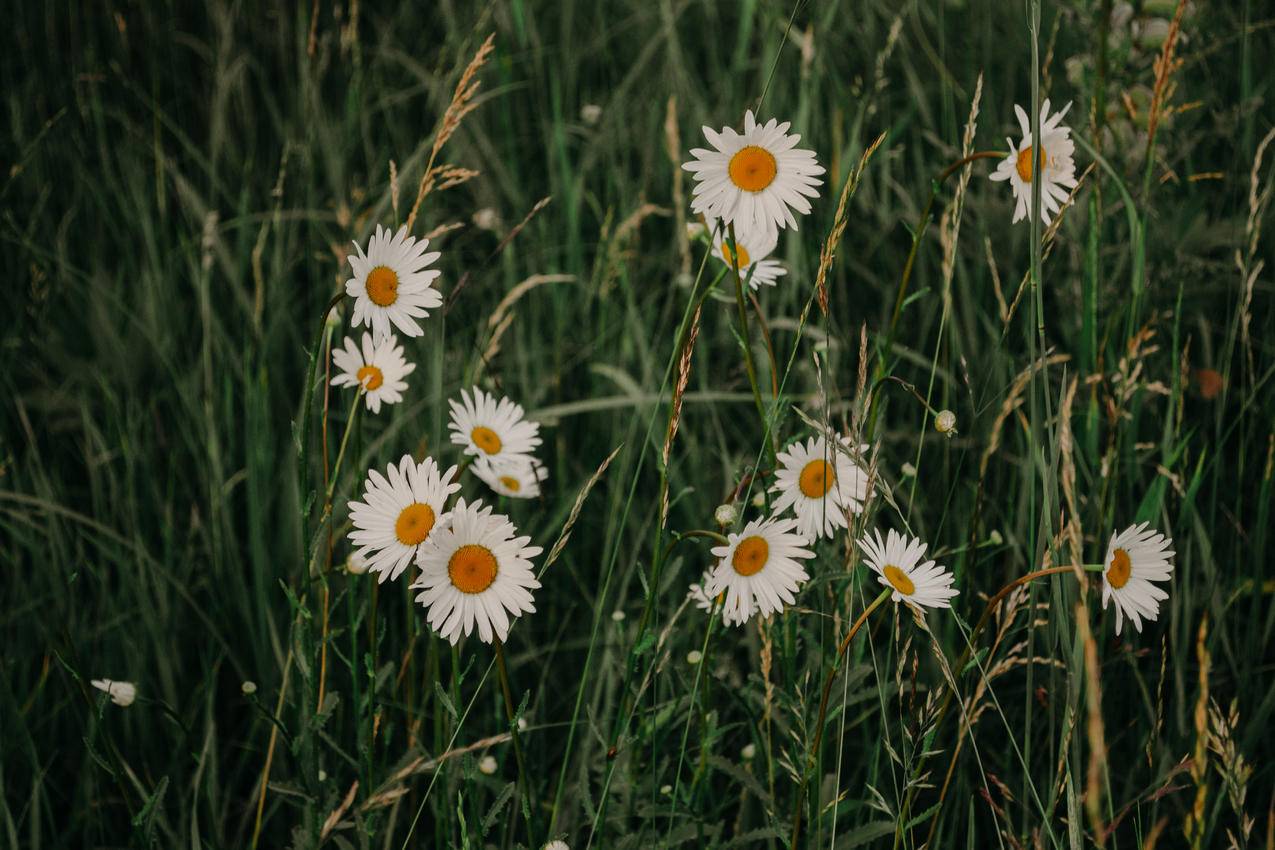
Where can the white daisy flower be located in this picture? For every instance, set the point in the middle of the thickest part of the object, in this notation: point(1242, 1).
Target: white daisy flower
point(756, 179)
point(492, 429)
point(476, 574)
point(897, 563)
point(517, 477)
point(122, 693)
point(759, 570)
point(399, 513)
point(821, 484)
point(752, 246)
point(699, 595)
point(377, 367)
point(391, 284)
point(1053, 163)
point(1136, 557)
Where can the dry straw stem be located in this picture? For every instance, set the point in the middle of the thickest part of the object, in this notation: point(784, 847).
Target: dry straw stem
point(561, 542)
point(462, 104)
point(673, 148)
point(1193, 828)
point(1165, 65)
point(829, 250)
point(1097, 739)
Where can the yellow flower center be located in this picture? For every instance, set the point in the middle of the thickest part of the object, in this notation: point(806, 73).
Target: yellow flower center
point(370, 377)
point(511, 483)
point(752, 168)
point(750, 555)
point(472, 568)
point(414, 524)
point(817, 478)
point(1024, 163)
point(1118, 573)
point(486, 439)
point(899, 579)
point(382, 286)
point(744, 260)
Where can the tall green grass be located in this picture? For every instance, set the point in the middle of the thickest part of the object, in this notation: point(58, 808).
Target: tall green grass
point(182, 183)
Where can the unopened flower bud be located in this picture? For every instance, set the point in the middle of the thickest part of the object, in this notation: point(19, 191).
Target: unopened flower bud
point(725, 515)
point(945, 423)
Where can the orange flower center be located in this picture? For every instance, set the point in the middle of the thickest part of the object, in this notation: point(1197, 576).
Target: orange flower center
point(382, 286)
point(1024, 163)
point(414, 524)
point(817, 478)
point(750, 555)
point(511, 483)
point(486, 439)
point(752, 168)
point(744, 260)
point(899, 579)
point(472, 568)
point(370, 377)
point(1118, 573)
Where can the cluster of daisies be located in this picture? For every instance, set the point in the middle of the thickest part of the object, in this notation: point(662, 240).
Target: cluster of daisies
point(475, 571)
point(747, 188)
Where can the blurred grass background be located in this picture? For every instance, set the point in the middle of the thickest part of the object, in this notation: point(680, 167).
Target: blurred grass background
point(181, 184)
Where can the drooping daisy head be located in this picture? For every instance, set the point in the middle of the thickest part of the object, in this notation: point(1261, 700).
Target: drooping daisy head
point(898, 565)
point(517, 477)
point(755, 179)
point(821, 484)
point(492, 429)
point(1136, 557)
point(752, 248)
point(400, 511)
point(697, 593)
point(476, 574)
point(759, 569)
point(379, 368)
point(391, 285)
point(1051, 162)
point(121, 693)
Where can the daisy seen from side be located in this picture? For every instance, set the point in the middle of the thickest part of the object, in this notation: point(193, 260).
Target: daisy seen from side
point(518, 477)
point(822, 485)
point(759, 569)
point(400, 511)
point(899, 564)
point(379, 368)
point(754, 179)
point(392, 285)
point(1053, 164)
point(752, 247)
point(1137, 558)
point(476, 575)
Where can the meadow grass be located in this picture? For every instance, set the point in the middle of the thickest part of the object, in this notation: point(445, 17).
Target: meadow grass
point(183, 184)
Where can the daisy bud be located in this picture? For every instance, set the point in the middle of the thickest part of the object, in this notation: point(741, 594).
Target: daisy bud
point(618, 616)
point(666, 790)
point(487, 765)
point(748, 751)
point(995, 538)
point(694, 656)
point(249, 688)
point(522, 724)
point(557, 845)
point(695, 229)
point(945, 423)
point(323, 776)
point(486, 219)
point(356, 564)
point(590, 113)
point(908, 470)
point(122, 693)
point(725, 515)
point(759, 500)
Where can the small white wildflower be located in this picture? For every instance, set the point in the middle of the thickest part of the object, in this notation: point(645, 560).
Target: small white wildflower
point(249, 688)
point(122, 693)
point(945, 423)
point(487, 765)
point(725, 515)
point(666, 790)
point(748, 751)
point(323, 776)
point(908, 470)
point(618, 616)
point(590, 113)
point(694, 656)
point(995, 538)
point(486, 219)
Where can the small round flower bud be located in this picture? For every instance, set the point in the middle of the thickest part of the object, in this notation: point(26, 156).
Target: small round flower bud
point(759, 501)
point(694, 656)
point(945, 423)
point(487, 765)
point(618, 616)
point(249, 688)
point(748, 751)
point(725, 515)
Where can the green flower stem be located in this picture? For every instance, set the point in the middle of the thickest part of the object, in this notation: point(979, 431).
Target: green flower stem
point(823, 710)
point(517, 742)
point(743, 328)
